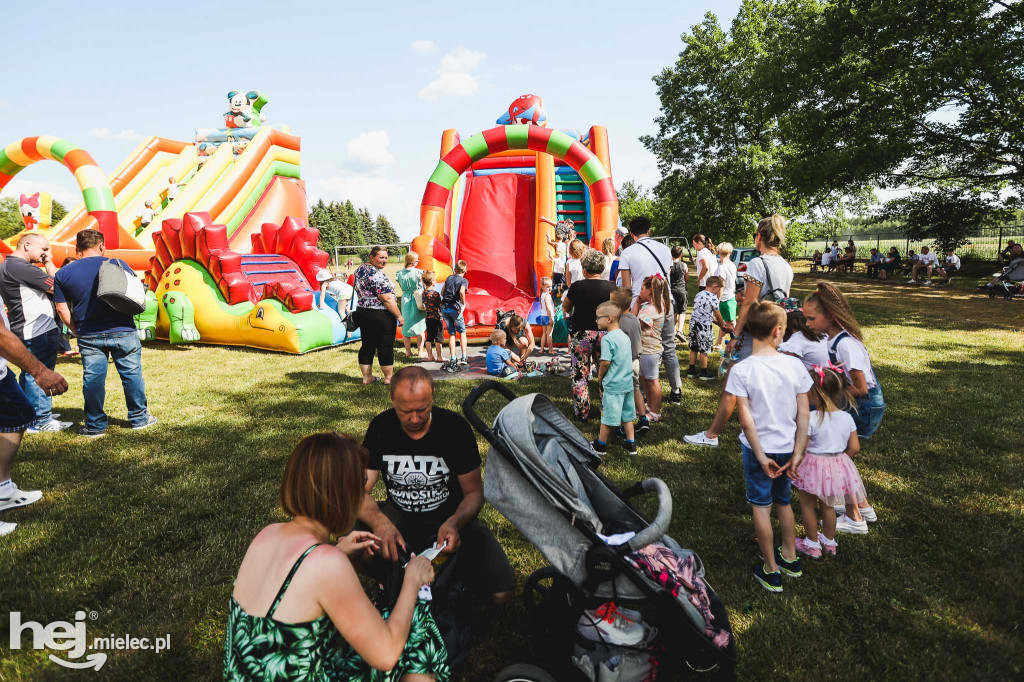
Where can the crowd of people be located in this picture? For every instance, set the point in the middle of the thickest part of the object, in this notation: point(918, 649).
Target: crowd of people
point(799, 377)
point(918, 268)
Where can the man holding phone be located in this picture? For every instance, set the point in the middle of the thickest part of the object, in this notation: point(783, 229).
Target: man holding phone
point(27, 289)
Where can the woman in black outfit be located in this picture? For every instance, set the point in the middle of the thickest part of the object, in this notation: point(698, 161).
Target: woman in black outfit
point(378, 316)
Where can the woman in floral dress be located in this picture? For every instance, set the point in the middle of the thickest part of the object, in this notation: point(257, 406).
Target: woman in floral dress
point(318, 623)
point(581, 301)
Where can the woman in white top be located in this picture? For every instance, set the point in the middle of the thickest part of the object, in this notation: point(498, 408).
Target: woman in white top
point(705, 260)
point(769, 237)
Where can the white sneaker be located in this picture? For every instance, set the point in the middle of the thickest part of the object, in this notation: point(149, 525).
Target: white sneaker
point(49, 427)
point(612, 626)
point(913, 281)
point(701, 439)
point(19, 498)
point(869, 514)
point(929, 283)
point(839, 509)
point(7, 528)
point(847, 525)
point(150, 420)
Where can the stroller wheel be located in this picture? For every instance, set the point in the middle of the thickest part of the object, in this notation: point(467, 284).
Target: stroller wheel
point(522, 672)
point(549, 596)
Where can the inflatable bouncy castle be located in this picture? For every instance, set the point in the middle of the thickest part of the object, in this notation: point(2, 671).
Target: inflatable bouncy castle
point(485, 199)
point(229, 255)
point(251, 180)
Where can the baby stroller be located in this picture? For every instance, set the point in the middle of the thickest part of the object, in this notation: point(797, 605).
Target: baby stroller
point(542, 476)
point(1010, 283)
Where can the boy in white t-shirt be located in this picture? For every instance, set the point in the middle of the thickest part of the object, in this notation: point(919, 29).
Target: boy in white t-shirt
point(771, 395)
point(727, 299)
point(926, 261)
point(146, 215)
point(949, 266)
point(172, 188)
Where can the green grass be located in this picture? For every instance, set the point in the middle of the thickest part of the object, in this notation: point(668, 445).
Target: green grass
point(148, 528)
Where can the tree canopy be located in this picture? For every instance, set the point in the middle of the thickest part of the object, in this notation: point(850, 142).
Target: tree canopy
point(803, 107)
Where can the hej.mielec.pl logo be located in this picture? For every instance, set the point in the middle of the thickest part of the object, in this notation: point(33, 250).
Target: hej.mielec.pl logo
point(70, 637)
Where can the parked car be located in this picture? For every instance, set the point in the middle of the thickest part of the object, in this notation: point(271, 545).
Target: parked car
point(741, 255)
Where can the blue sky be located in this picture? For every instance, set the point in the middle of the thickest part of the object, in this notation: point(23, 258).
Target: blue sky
point(368, 86)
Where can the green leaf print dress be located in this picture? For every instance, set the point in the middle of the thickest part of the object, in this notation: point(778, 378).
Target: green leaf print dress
point(261, 648)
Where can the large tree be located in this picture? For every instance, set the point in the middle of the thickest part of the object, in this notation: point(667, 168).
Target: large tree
point(804, 105)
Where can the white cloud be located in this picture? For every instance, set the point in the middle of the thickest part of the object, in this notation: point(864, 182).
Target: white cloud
point(517, 67)
point(370, 149)
point(62, 193)
point(378, 194)
point(108, 134)
point(423, 46)
point(455, 77)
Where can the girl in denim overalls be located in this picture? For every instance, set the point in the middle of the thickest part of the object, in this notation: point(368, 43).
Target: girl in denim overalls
point(828, 312)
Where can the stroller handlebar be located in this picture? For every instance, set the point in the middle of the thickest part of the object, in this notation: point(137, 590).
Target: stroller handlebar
point(661, 521)
point(469, 405)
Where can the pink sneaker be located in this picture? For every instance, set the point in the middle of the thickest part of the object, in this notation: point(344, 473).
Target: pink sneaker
point(805, 547)
point(827, 548)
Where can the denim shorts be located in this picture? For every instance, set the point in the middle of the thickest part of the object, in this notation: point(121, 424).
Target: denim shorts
point(453, 320)
point(617, 408)
point(761, 490)
point(870, 410)
point(16, 412)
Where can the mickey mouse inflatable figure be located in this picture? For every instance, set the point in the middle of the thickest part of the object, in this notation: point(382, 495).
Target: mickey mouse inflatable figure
point(244, 109)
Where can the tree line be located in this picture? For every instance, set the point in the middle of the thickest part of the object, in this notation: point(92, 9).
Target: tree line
point(808, 107)
point(342, 224)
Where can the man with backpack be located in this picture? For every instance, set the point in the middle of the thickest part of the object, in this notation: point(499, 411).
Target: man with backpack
point(646, 258)
point(102, 333)
point(453, 304)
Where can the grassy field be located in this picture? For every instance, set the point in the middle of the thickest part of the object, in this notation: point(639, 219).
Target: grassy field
point(147, 529)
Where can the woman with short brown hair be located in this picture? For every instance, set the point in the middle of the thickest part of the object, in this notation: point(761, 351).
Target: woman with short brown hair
point(318, 622)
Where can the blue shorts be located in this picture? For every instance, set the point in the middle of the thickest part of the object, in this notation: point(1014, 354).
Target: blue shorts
point(16, 412)
point(543, 320)
point(617, 408)
point(869, 413)
point(453, 320)
point(761, 490)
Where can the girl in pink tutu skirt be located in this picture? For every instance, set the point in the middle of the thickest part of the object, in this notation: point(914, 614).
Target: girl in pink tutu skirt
point(826, 474)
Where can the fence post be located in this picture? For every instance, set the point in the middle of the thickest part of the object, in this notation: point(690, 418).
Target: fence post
point(878, 241)
point(999, 249)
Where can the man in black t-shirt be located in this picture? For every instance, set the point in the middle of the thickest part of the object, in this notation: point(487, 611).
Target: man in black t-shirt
point(431, 467)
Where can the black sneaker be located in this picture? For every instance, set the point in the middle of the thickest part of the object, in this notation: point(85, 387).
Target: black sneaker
point(450, 367)
point(691, 373)
point(642, 426)
point(620, 433)
point(794, 568)
point(705, 375)
point(769, 581)
point(600, 448)
point(675, 396)
point(629, 446)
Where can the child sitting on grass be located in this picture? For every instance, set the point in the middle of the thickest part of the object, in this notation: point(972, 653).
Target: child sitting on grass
point(616, 377)
point(432, 308)
point(501, 362)
point(826, 474)
point(651, 307)
point(630, 325)
point(547, 316)
point(771, 397)
point(706, 312)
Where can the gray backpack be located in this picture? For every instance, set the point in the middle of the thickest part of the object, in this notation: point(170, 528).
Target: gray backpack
point(120, 289)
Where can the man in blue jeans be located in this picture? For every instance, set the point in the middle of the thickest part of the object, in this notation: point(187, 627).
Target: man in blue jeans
point(102, 332)
point(26, 288)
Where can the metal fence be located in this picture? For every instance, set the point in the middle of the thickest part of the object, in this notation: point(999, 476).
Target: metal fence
point(984, 243)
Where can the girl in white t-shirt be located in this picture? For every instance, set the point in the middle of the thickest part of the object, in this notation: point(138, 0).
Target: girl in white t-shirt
point(826, 474)
point(801, 342)
point(574, 266)
point(828, 312)
point(547, 316)
point(704, 261)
